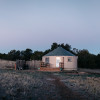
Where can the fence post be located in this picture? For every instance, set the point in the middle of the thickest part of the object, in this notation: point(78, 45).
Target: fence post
point(15, 66)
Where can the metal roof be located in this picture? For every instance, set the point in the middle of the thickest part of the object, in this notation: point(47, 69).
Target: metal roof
point(59, 52)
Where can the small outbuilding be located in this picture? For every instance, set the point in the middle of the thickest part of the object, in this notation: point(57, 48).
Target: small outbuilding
point(60, 57)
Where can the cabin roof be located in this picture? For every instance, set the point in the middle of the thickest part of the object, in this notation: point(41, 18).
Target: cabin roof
point(59, 52)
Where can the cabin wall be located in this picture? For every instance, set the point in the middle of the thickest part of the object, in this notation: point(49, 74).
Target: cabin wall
point(52, 61)
point(68, 65)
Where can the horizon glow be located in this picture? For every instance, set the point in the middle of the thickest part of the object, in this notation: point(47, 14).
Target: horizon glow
point(36, 24)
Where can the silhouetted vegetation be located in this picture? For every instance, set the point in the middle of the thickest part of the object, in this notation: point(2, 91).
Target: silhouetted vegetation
point(37, 55)
point(85, 59)
point(26, 54)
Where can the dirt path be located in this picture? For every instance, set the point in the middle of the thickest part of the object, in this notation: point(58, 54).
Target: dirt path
point(63, 91)
point(54, 89)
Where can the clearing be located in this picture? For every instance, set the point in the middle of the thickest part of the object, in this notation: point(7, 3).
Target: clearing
point(35, 85)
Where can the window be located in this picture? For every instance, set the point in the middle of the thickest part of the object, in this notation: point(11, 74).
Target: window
point(70, 59)
point(46, 60)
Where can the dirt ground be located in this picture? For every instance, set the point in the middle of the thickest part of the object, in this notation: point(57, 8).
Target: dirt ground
point(53, 89)
point(63, 92)
point(34, 85)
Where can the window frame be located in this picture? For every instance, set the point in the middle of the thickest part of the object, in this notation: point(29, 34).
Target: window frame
point(69, 59)
point(47, 60)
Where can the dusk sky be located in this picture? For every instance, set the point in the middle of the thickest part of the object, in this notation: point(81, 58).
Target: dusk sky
point(36, 24)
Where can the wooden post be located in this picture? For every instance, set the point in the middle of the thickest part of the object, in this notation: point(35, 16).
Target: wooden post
point(15, 66)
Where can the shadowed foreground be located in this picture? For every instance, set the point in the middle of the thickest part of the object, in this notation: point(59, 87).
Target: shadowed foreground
point(30, 85)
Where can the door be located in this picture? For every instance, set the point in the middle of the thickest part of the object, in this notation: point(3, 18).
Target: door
point(58, 60)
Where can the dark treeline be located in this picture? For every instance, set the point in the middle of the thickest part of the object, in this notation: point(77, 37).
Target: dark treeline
point(85, 59)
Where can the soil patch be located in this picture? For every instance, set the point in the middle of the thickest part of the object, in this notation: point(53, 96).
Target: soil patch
point(64, 92)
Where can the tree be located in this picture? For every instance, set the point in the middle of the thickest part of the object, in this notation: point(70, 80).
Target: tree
point(17, 54)
point(37, 55)
point(75, 51)
point(46, 51)
point(98, 61)
point(83, 58)
point(67, 47)
point(86, 60)
point(3, 56)
point(54, 46)
point(26, 55)
point(12, 55)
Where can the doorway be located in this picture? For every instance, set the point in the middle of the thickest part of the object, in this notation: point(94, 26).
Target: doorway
point(58, 60)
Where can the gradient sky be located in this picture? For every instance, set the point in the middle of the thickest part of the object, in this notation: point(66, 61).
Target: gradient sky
point(36, 24)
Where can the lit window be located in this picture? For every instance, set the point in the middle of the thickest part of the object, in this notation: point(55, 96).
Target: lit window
point(69, 59)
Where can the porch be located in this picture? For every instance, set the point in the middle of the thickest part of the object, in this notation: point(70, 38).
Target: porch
point(47, 67)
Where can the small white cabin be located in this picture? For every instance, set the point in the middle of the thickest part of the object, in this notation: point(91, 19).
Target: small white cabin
point(60, 55)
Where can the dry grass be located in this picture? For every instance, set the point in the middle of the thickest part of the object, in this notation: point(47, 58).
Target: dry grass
point(28, 85)
point(17, 85)
point(86, 84)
